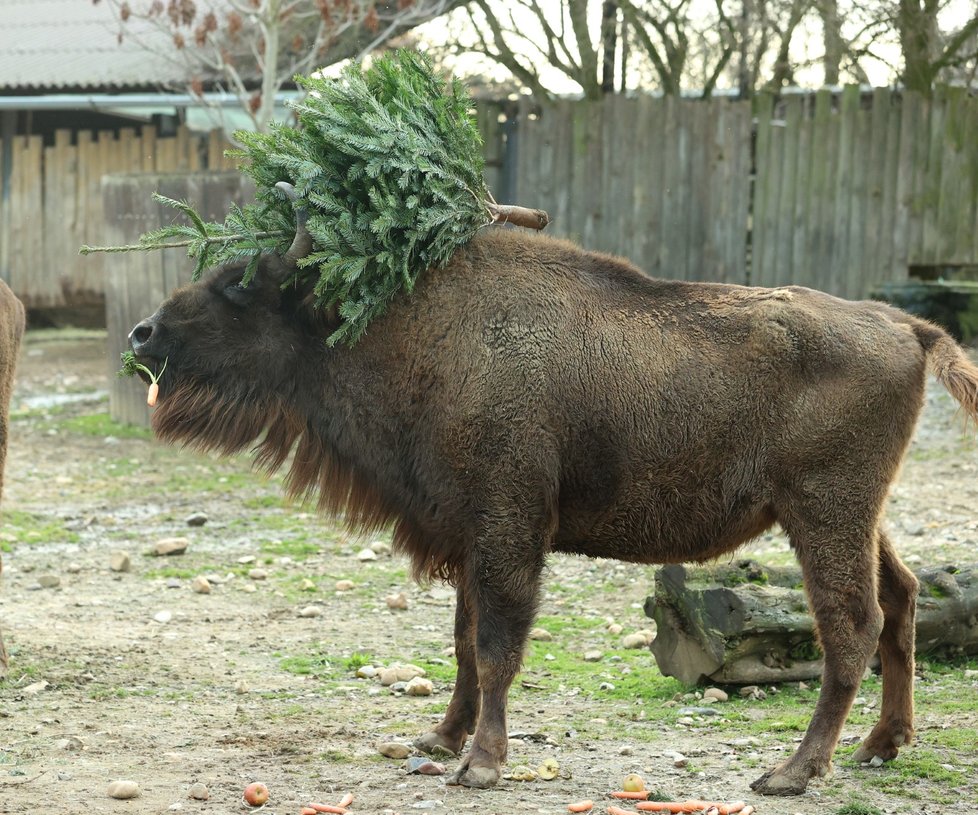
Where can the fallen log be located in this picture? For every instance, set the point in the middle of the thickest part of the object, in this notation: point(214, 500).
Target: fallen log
point(744, 623)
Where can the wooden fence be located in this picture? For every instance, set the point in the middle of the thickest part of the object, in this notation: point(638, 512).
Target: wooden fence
point(662, 181)
point(853, 190)
point(54, 204)
point(834, 191)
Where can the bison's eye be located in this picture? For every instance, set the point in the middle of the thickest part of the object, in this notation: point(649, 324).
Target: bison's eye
point(239, 295)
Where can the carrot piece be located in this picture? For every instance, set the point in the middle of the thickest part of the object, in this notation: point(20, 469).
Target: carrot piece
point(640, 795)
point(747, 810)
point(661, 806)
point(730, 809)
point(346, 800)
point(712, 811)
point(612, 810)
point(694, 805)
point(329, 808)
point(307, 811)
point(581, 806)
point(153, 394)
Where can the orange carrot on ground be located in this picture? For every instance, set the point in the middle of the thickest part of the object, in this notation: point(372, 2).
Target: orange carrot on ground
point(747, 810)
point(668, 806)
point(641, 795)
point(346, 800)
point(731, 808)
point(712, 811)
point(613, 810)
point(329, 808)
point(695, 805)
point(307, 811)
point(581, 806)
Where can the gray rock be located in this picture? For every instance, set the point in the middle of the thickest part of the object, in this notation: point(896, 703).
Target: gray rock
point(698, 711)
point(397, 602)
point(49, 581)
point(394, 749)
point(541, 635)
point(197, 519)
point(419, 686)
point(171, 546)
point(201, 585)
point(199, 792)
point(310, 611)
point(123, 789)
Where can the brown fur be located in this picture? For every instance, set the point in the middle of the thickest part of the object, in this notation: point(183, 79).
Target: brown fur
point(532, 397)
point(11, 333)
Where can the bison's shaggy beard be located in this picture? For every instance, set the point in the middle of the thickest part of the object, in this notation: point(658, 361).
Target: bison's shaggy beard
point(203, 418)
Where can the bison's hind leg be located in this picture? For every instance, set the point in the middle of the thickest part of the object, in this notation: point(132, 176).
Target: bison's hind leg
point(897, 597)
point(840, 571)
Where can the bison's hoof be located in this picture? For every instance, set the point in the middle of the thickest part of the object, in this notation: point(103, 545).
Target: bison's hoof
point(477, 777)
point(883, 746)
point(780, 782)
point(435, 744)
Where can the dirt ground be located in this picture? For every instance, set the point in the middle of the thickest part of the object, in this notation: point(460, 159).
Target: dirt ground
point(133, 675)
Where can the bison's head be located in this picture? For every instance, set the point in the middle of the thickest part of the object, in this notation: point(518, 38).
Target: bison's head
point(234, 356)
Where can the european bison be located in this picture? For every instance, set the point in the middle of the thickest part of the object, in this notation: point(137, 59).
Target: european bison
point(11, 333)
point(532, 397)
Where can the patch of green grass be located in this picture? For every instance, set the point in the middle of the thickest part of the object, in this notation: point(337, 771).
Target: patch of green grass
point(954, 738)
point(858, 808)
point(102, 425)
point(357, 660)
point(316, 663)
point(904, 777)
point(33, 527)
point(297, 548)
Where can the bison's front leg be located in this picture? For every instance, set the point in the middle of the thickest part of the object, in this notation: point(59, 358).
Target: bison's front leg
point(463, 709)
point(504, 582)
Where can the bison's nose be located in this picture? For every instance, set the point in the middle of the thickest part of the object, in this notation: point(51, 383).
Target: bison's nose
point(141, 335)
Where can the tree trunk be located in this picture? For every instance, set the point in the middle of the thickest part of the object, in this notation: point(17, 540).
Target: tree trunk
point(609, 45)
point(747, 624)
point(831, 40)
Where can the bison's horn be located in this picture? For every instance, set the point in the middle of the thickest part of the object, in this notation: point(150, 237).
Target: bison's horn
point(302, 242)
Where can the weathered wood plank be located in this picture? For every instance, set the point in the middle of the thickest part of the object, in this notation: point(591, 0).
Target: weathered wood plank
point(783, 271)
point(842, 198)
point(855, 276)
point(821, 174)
point(887, 237)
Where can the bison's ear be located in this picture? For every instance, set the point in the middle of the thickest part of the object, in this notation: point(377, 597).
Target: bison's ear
point(239, 295)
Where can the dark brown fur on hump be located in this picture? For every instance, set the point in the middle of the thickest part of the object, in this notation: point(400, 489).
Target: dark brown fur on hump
point(201, 417)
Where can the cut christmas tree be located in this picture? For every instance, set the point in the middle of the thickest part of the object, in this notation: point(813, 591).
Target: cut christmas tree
point(384, 173)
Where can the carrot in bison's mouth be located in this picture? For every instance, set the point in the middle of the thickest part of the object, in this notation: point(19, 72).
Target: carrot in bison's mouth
point(131, 366)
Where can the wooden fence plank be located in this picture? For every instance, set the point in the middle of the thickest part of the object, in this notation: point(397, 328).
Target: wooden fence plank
point(821, 173)
point(652, 124)
point(790, 135)
point(797, 266)
point(931, 181)
point(887, 237)
point(956, 198)
point(855, 277)
point(766, 190)
point(842, 188)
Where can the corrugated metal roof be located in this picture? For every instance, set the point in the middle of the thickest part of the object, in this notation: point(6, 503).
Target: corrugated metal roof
point(66, 44)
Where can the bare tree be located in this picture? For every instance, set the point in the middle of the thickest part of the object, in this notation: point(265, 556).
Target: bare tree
point(927, 50)
point(253, 48)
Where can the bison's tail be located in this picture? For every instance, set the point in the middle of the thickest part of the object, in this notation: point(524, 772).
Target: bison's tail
point(950, 365)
